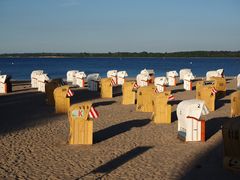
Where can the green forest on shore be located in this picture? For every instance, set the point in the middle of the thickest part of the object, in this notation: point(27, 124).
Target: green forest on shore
point(124, 54)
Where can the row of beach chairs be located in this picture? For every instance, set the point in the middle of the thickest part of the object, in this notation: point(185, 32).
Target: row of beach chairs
point(150, 94)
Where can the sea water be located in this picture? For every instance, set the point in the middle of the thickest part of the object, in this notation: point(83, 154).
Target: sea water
point(21, 68)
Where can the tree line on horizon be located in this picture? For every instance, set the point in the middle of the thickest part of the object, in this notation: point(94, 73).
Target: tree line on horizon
point(125, 54)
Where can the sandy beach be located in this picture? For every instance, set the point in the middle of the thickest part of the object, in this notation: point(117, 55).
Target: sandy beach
point(127, 144)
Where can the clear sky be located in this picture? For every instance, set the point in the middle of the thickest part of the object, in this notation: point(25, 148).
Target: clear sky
point(118, 25)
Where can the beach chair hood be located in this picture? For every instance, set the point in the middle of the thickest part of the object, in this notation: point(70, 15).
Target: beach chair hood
point(36, 72)
point(188, 76)
point(171, 74)
point(81, 75)
point(182, 72)
point(93, 77)
point(43, 78)
point(3, 78)
point(160, 81)
point(238, 81)
point(150, 71)
point(112, 73)
point(71, 75)
point(191, 109)
point(122, 74)
point(144, 72)
point(142, 77)
point(142, 80)
point(216, 73)
point(220, 71)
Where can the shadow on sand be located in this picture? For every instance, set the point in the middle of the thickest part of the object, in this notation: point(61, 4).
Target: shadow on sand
point(81, 95)
point(117, 129)
point(229, 92)
point(221, 103)
point(174, 116)
point(23, 110)
point(213, 126)
point(118, 162)
point(103, 103)
point(210, 164)
point(177, 90)
point(173, 102)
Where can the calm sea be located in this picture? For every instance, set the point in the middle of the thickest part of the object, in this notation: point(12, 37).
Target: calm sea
point(21, 68)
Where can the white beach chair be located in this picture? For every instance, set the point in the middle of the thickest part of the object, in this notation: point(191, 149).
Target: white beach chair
point(187, 81)
point(182, 73)
point(80, 78)
point(160, 83)
point(42, 80)
point(171, 75)
point(238, 81)
point(142, 79)
point(71, 76)
point(191, 127)
point(93, 81)
point(113, 74)
point(121, 75)
point(34, 76)
point(3, 86)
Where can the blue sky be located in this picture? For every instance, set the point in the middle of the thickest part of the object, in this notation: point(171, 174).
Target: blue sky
point(118, 25)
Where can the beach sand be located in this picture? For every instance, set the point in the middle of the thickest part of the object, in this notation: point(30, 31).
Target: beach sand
point(127, 145)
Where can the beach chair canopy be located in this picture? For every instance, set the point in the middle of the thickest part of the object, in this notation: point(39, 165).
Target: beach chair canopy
point(238, 81)
point(112, 73)
point(142, 80)
point(182, 72)
point(43, 78)
point(144, 72)
point(160, 81)
point(215, 73)
point(71, 74)
point(122, 74)
point(36, 72)
point(93, 77)
point(80, 75)
point(188, 76)
point(3, 78)
point(221, 71)
point(171, 74)
point(150, 71)
point(192, 108)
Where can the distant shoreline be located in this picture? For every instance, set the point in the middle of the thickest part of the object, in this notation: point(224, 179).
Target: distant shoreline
point(60, 57)
point(188, 54)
